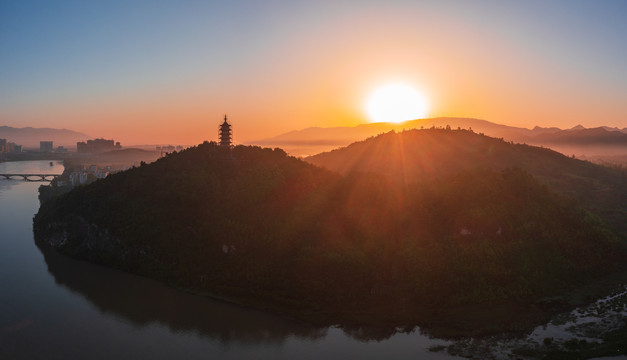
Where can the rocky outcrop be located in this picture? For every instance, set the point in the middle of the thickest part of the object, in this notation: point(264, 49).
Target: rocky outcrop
point(79, 238)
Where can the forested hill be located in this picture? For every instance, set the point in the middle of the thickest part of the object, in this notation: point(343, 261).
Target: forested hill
point(259, 227)
point(418, 155)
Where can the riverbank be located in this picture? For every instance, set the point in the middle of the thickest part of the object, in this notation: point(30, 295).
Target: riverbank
point(596, 330)
point(511, 319)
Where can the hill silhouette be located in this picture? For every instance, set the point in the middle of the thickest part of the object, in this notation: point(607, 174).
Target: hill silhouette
point(313, 140)
point(261, 228)
point(328, 138)
point(582, 136)
point(30, 137)
point(418, 155)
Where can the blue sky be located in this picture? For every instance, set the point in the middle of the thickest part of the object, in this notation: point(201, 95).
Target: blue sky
point(111, 67)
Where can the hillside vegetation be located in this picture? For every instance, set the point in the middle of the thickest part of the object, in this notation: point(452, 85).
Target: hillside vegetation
point(259, 227)
point(418, 155)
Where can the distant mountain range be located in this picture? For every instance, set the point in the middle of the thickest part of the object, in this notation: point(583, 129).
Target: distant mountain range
point(30, 137)
point(582, 136)
point(313, 140)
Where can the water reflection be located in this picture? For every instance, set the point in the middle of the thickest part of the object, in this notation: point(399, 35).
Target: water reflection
point(366, 334)
point(142, 301)
point(5, 185)
point(16, 167)
point(36, 166)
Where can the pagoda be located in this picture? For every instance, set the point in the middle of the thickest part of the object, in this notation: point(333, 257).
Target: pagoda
point(225, 134)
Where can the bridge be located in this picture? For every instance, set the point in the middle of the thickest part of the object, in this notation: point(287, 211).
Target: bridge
point(30, 177)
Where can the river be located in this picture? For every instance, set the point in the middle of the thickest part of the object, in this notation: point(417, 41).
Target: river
point(54, 307)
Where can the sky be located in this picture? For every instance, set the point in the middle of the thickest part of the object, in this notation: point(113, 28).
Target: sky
point(157, 71)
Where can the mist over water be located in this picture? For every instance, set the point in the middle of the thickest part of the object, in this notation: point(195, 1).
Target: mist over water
point(607, 154)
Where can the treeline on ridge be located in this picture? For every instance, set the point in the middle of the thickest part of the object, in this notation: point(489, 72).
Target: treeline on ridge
point(413, 155)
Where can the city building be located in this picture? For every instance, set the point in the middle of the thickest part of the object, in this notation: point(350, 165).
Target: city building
point(45, 146)
point(82, 175)
point(101, 173)
point(97, 146)
point(13, 148)
point(79, 178)
point(166, 148)
point(3, 150)
point(9, 147)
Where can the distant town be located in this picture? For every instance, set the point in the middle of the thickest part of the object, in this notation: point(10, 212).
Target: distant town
point(91, 160)
point(11, 151)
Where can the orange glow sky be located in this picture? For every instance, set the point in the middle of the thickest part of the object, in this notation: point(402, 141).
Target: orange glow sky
point(157, 72)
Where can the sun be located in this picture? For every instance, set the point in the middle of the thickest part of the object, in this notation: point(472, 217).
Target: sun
point(396, 103)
